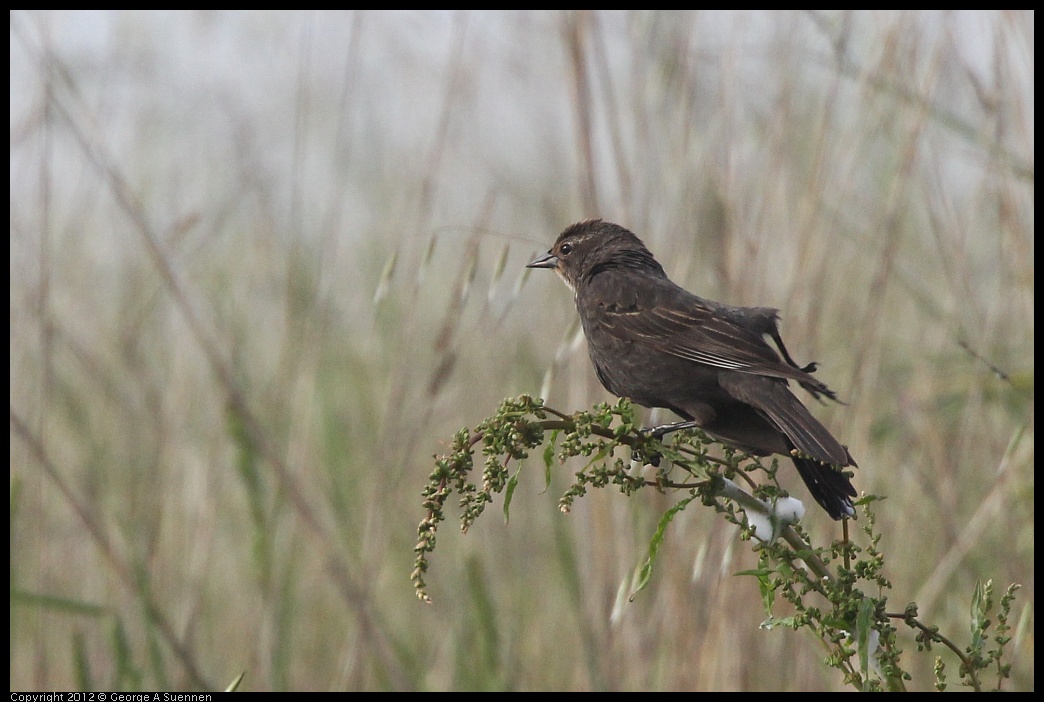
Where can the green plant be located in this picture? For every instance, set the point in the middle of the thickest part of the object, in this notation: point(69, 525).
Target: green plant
point(838, 592)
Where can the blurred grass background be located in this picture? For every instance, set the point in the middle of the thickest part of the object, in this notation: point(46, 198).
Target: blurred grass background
point(264, 265)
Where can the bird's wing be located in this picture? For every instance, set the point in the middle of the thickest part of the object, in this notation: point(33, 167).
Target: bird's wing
point(775, 402)
point(667, 318)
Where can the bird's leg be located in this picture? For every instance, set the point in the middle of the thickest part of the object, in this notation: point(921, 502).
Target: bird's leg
point(661, 431)
point(665, 429)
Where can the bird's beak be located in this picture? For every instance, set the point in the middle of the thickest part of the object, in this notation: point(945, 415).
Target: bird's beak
point(548, 260)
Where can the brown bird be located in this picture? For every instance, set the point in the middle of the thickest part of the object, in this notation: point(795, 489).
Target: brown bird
point(661, 346)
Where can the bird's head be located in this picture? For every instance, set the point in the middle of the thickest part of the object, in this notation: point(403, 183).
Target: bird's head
point(587, 247)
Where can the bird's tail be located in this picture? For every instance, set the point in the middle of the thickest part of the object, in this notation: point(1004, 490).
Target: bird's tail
point(828, 485)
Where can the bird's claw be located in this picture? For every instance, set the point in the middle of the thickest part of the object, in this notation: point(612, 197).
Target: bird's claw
point(653, 457)
point(663, 430)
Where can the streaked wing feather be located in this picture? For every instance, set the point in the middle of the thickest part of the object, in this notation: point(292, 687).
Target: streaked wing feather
point(788, 415)
point(698, 335)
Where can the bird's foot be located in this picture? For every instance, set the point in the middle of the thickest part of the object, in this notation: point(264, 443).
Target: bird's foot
point(665, 429)
point(652, 457)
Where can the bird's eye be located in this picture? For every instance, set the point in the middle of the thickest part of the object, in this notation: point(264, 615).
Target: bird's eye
point(565, 249)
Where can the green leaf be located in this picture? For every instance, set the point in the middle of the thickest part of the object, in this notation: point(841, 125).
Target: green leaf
point(979, 608)
point(768, 593)
point(775, 622)
point(549, 457)
point(509, 490)
point(645, 574)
